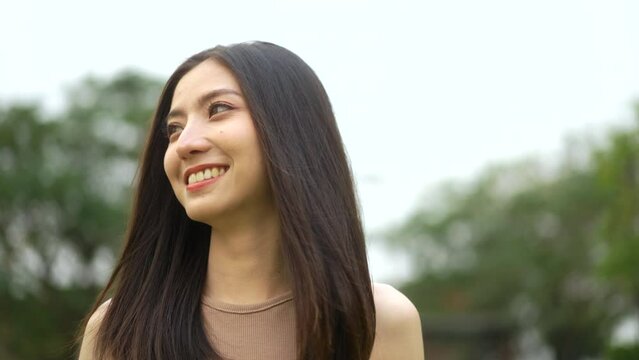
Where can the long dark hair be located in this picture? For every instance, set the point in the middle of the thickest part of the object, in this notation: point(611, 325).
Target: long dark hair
point(156, 286)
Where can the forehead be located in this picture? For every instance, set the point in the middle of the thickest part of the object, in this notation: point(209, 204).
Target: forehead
point(206, 76)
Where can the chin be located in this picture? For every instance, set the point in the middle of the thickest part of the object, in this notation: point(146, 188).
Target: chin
point(200, 215)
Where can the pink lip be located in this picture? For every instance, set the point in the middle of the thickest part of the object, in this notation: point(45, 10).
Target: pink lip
point(197, 168)
point(198, 185)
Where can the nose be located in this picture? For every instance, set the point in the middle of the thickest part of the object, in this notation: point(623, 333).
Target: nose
point(192, 141)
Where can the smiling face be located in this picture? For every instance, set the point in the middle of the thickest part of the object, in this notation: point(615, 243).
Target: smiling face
point(214, 161)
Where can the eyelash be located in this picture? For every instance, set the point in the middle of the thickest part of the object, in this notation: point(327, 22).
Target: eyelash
point(172, 128)
point(217, 104)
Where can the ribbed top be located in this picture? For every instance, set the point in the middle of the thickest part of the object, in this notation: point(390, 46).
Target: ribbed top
point(255, 331)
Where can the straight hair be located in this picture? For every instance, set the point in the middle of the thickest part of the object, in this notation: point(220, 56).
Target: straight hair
point(157, 283)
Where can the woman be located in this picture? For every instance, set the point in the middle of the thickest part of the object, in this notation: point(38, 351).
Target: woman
point(245, 240)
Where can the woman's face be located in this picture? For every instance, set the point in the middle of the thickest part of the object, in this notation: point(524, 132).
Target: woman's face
point(213, 160)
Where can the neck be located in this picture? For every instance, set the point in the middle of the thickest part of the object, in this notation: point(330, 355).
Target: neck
point(245, 263)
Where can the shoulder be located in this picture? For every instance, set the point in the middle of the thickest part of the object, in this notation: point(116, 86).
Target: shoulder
point(398, 326)
point(90, 332)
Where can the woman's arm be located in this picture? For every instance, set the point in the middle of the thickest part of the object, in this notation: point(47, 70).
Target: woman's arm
point(398, 329)
point(88, 340)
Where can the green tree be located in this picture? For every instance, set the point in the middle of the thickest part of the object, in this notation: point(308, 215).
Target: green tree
point(64, 194)
point(617, 165)
point(518, 243)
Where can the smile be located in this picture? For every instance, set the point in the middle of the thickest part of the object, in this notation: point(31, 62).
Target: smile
point(203, 175)
point(206, 174)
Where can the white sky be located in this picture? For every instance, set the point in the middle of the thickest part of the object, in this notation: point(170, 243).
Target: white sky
point(423, 91)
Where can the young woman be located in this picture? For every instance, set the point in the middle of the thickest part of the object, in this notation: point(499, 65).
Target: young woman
point(245, 240)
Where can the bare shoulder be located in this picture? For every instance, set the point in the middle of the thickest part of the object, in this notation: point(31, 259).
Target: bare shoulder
point(393, 306)
point(88, 340)
point(398, 329)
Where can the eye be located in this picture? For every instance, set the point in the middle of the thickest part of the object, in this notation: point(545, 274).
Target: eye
point(172, 130)
point(218, 107)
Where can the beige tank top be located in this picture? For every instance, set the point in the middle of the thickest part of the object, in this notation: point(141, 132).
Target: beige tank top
point(251, 332)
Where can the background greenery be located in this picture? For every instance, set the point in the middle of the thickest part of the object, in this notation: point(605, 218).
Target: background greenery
point(551, 246)
point(547, 246)
point(64, 196)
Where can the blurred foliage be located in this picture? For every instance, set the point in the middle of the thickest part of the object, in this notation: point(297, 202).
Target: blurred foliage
point(617, 167)
point(64, 198)
point(623, 352)
point(553, 246)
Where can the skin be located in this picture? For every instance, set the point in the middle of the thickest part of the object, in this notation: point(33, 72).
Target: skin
point(245, 264)
point(398, 331)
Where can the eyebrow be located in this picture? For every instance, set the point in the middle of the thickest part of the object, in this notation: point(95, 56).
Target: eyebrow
point(202, 101)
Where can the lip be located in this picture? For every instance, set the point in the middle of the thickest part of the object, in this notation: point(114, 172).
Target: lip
point(198, 168)
point(199, 185)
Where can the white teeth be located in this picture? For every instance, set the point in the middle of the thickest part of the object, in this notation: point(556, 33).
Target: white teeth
point(205, 175)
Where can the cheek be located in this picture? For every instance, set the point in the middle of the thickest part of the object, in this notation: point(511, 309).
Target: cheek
point(249, 141)
point(171, 170)
point(169, 165)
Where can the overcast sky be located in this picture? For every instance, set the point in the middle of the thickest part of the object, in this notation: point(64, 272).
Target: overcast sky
point(423, 91)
